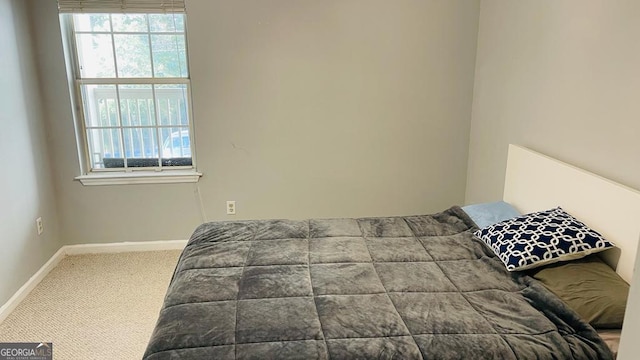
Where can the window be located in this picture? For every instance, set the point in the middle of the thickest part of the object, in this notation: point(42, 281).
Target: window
point(131, 77)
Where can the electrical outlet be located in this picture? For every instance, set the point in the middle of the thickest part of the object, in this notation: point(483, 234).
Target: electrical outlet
point(39, 225)
point(231, 207)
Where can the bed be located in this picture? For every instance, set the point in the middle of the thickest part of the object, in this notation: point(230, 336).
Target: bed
point(408, 287)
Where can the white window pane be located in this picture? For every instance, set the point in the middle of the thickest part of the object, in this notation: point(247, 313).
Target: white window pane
point(132, 56)
point(134, 125)
point(140, 143)
point(136, 105)
point(166, 22)
point(169, 55)
point(171, 102)
point(95, 55)
point(91, 22)
point(176, 142)
point(104, 144)
point(100, 105)
point(129, 22)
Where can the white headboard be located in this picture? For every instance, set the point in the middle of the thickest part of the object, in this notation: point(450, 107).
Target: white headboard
point(535, 182)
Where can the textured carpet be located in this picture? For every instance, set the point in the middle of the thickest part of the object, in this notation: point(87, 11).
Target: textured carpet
point(95, 306)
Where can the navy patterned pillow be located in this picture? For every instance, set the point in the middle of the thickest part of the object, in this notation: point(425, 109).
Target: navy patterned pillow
point(541, 238)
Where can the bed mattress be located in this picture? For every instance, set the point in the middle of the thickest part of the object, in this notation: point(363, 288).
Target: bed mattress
point(415, 287)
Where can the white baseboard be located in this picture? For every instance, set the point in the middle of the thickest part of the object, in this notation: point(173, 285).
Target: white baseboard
point(22, 293)
point(125, 247)
point(68, 250)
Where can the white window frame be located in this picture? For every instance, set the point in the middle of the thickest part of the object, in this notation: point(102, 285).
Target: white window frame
point(126, 175)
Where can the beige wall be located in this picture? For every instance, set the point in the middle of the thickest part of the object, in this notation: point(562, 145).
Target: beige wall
point(26, 183)
point(302, 109)
point(562, 78)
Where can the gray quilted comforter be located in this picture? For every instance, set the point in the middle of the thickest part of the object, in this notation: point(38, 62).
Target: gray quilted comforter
point(416, 287)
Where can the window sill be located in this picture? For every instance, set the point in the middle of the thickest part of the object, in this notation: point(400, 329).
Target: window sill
point(140, 177)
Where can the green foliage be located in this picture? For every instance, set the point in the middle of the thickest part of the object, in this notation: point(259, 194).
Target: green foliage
point(141, 42)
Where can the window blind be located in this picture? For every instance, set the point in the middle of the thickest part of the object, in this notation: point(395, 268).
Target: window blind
point(121, 6)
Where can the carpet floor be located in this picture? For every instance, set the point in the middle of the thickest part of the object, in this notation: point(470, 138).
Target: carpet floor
point(100, 306)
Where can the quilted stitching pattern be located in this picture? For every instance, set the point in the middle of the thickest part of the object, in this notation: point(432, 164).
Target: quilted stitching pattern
point(385, 288)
